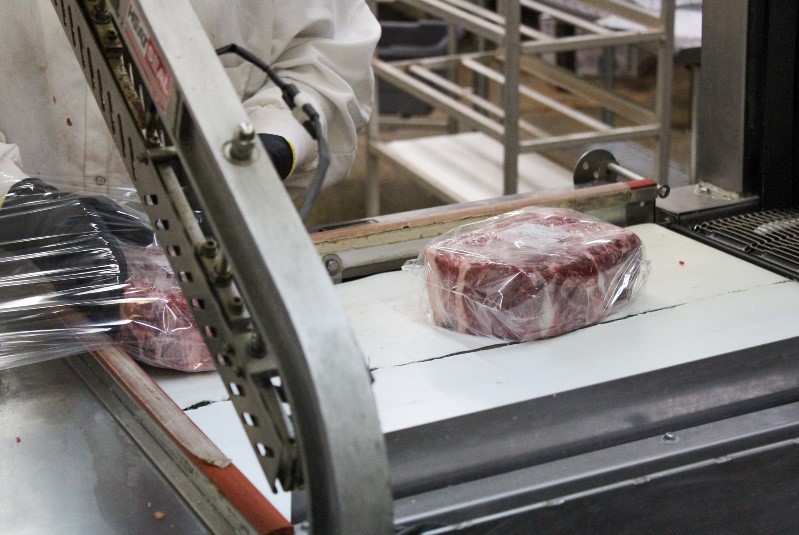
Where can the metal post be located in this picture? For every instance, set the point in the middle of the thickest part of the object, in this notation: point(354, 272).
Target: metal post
point(510, 95)
point(609, 78)
point(695, 89)
point(664, 89)
point(452, 71)
point(722, 100)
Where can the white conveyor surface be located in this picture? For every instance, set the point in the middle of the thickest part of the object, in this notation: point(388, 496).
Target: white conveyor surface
point(698, 302)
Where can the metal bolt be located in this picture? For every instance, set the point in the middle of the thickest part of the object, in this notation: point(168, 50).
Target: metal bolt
point(332, 264)
point(236, 305)
point(669, 437)
point(256, 346)
point(241, 146)
point(222, 272)
point(111, 36)
point(245, 132)
point(209, 249)
point(100, 13)
point(153, 140)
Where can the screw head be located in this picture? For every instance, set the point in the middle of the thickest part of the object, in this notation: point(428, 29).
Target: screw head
point(669, 437)
point(332, 265)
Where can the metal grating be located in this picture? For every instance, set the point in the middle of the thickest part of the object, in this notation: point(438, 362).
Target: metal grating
point(770, 236)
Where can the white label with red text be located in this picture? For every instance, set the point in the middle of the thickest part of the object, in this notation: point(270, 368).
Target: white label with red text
point(147, 56)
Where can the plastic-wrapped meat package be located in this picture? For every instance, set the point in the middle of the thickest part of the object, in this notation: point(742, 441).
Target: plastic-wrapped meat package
point(531, 274)
point(79, 271)
point(157, 325)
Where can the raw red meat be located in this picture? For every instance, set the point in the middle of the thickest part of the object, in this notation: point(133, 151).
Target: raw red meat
point(531, 274)
point(159, 328)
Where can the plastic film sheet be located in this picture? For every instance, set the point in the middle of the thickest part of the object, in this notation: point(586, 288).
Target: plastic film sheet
point(79, 270)
point(530, 274)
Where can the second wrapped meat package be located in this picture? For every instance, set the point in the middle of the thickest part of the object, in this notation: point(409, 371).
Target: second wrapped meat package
point(530, 274)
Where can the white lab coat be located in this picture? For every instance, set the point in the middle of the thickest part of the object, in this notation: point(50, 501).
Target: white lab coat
point(322, 46)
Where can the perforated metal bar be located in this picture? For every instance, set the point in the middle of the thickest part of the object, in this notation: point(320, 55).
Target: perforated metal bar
point(266, 307)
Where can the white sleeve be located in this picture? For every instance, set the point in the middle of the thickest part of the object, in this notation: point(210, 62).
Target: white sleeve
point(325, 48)
point(10, 166)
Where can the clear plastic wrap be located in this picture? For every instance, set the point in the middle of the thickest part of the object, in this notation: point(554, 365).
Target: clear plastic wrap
point(79, 271)
point(157, 325)
point(530, 274)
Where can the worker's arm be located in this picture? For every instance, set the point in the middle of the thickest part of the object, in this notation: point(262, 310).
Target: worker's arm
point(324, 47)
point(10, 163)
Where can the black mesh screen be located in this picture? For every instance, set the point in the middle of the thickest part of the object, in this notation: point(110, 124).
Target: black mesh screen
point(770, 236)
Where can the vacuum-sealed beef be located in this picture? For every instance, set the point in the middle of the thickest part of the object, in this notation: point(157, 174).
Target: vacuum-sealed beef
point(532, 273)
point(158, 327)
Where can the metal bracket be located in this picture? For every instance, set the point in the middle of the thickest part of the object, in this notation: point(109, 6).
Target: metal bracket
point(600, 166)
point(279, 336)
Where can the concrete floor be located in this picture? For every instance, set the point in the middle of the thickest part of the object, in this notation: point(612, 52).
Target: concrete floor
point(345, 201)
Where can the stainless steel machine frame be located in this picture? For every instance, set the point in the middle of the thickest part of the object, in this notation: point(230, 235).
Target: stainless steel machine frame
point(265, 320)
point(652, 465)
point(279, 337)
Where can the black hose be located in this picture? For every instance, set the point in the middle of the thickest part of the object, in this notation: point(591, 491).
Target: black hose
point(321, 169)
point(246, 55)
point(313, 125)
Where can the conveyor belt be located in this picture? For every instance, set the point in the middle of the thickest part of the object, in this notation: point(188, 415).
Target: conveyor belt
point(693, 348)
